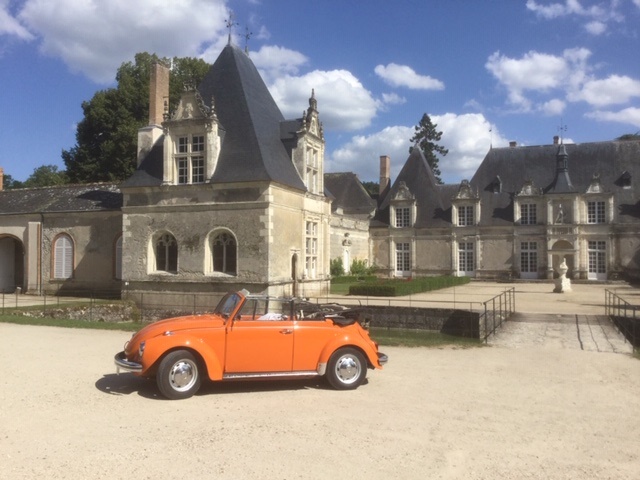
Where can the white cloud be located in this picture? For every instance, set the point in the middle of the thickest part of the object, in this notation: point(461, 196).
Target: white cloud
point(274, 61)
point(467, 136)
point(630, 116)
point(404, 76)
point(343, 102)
point(96, 37)
point(553, 107)
point(598, 16)
point(393, 99)
point(614, 90)
point(10, 26)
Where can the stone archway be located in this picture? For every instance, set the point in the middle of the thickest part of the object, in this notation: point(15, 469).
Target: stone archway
point(11, 264)
point(562, 249)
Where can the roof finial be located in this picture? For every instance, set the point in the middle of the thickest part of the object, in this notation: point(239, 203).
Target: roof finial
point(230, 22)
point(562, 128)
point(247, 36)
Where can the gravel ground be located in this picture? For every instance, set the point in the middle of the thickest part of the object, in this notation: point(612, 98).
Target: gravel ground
point(481, 413)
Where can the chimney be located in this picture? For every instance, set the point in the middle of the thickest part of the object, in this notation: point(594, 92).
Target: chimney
point(556, 139)
point(385, 174)
point(158, 93)
point(1, 179)
point(513, 144)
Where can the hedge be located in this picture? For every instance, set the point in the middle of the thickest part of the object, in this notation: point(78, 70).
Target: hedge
point(398, 287)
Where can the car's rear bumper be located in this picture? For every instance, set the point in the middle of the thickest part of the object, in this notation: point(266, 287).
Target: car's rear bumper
point(123, 364)
point(382, 358)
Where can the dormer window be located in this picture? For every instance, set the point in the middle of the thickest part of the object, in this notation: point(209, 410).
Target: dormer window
point(312, 170)
point(189, 159)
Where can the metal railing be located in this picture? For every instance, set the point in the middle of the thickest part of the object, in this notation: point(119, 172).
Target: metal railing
point(497, 310)
point(624, 316)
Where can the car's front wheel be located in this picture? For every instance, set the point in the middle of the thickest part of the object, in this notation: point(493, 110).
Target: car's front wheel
point(347, 369)
point(178, 375)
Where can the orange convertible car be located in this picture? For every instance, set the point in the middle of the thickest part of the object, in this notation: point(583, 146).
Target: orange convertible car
point(249, 337)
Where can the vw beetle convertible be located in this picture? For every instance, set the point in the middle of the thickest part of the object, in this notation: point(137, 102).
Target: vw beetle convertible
point(253, 337)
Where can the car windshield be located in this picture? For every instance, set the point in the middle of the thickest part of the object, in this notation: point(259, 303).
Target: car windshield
point(227, 304)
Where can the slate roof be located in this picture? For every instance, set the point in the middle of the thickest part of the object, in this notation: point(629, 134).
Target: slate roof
point(252, 148)
point(514, 165)
point(432, 208)
point(64, 198)
point(348, 193)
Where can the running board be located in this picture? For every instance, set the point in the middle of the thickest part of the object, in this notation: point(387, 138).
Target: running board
point(242, 376)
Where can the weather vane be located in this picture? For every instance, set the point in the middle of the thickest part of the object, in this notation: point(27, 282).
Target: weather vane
point(562, 128)
point(230, 24)
point(247, 36)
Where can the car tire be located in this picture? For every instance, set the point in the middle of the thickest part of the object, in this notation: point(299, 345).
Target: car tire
point(178, 375)
point(347, 369)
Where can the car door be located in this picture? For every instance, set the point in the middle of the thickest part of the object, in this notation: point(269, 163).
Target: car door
point(260, 339)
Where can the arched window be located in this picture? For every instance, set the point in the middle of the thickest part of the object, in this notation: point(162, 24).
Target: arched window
point(224, 251)
point(63, 257)
point(166, 250)
point(117, 258)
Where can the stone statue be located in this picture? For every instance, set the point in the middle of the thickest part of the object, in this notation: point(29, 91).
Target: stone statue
point(563, 284)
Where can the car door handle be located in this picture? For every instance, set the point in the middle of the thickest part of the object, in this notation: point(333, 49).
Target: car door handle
point(287, 331)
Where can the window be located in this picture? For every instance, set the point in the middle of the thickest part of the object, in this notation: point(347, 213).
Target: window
point(529, 257)
point(465, 257)
point(595, 212)
point(465, 215)
point(190, 159)
point(403, 259)
point(117, 257)
point(166, 250)
point(403, 217)
point(597, 259)
point(311, 249)
point(312, 170)
point(225, 250)
point(528, 214)
point(63, 257)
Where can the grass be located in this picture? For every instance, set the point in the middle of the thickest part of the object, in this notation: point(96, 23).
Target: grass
point(419, 338)
point(69, 323)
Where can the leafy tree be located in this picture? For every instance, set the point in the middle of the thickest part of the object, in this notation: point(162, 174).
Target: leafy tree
point(8, 182)
point(425, 137)
point(106, 138)
point(629, 136)
point(372, 188)
point(46, 176)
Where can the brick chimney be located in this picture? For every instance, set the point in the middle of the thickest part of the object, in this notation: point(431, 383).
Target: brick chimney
point(385, 174)
point(158, 95)
point(1, 179)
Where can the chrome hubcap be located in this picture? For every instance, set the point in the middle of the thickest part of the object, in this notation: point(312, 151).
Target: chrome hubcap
point(347, 369)
point(183, 375)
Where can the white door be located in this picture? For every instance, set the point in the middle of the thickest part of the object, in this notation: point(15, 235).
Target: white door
point(597, 260)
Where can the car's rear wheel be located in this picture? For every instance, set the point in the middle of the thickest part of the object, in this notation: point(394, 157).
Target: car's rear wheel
point(347, 369)
point(178, 375)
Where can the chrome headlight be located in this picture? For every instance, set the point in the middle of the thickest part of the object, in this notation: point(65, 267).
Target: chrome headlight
point(141, 349)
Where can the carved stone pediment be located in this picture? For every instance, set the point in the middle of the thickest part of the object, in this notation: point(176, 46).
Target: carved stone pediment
point(191, 107)
point(403, 193)
point(465, 192)
point(528, 189)
point(595, 186)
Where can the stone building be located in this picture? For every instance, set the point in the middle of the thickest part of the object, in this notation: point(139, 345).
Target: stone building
point(523, 212)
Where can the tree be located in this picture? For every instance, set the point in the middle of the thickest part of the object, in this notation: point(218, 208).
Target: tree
point(372, 188)
point(425, 137)
point(46, 176)
point(9, 183)
point(106, 138)
point(629, 136)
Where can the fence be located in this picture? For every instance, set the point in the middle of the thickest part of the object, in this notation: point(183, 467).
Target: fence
point(497, 310)
point(624, 316)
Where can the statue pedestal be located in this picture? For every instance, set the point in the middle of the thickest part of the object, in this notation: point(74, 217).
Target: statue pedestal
point(563, 284)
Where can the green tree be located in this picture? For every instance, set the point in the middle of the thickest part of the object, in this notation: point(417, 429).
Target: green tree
point(106, 137)
point(46, 176)
point(629, 136)
point(425, 137)
point(9, 183)
point(372, 188)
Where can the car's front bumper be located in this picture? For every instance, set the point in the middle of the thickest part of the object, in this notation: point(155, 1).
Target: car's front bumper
point(123, 364)
point(382, 358)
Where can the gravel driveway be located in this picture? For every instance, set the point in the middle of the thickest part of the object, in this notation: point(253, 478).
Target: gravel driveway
point(478, 413)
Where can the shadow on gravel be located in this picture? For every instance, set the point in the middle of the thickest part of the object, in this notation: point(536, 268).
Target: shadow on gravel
point(127, 383)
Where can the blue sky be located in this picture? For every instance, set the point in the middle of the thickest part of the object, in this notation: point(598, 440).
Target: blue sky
point(487, 72)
